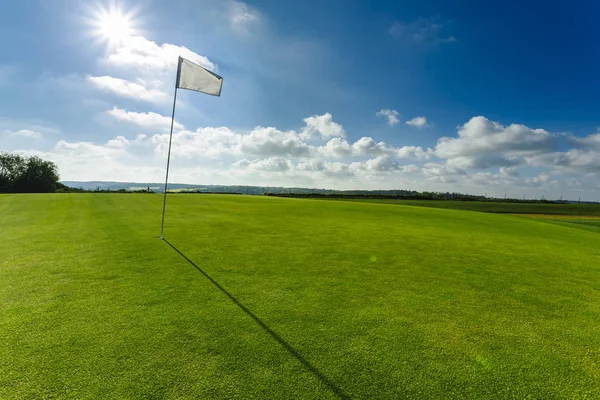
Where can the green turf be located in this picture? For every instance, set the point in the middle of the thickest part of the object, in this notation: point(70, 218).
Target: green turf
point(494, 207)
point(290, 298)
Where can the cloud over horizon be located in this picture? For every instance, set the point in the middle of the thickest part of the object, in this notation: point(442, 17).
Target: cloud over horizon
point(483, 153)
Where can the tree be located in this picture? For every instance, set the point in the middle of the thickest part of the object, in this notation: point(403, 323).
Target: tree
point(12, 166)
point(27, 174)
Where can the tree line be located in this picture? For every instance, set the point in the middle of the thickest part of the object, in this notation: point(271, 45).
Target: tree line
point(19, 174)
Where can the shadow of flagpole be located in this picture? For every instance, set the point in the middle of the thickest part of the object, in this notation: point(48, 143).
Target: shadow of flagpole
point(324, 379)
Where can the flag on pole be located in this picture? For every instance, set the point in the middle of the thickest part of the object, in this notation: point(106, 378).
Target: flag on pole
point(194, 77)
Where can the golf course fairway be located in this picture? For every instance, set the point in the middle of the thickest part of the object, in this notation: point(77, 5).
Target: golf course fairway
point(260, 297)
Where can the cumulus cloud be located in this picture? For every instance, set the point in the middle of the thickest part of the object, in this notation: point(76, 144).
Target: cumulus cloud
point(590, 142)
point(573, 159)
point(129, 89)
point(392, 116)
point(271, 164)
point(416, 152)
point(145, 120)
point(336, 147)
point(480, 136)
point(509, 171)
point(322, 126)
point(543, 179)
point(409, 169)
point(80, 160)
point(273, 142)
point(208, 142)
point(418, 122)
point(318, 154)
point(311, 165)
point(257, 154)
point(436, 170)
point(337, 170)
point(368, 146)
point(381, 163)
point(486, 161)
point(259, 142)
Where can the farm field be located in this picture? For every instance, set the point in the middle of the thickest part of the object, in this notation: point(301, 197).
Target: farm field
point(263, 297)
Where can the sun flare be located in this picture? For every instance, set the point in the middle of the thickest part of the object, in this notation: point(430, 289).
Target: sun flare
point(112, 25)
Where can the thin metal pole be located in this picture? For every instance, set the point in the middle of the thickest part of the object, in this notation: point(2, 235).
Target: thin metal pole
point(162, 225)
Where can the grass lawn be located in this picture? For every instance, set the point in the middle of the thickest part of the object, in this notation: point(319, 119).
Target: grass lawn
point(496, 207)
point(586, 222)
point(259, 297)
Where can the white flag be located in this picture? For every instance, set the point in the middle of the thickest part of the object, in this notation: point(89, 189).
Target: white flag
point(194, 77)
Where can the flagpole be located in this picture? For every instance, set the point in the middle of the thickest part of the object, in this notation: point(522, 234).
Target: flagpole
point(195, 78)
point(162, 225)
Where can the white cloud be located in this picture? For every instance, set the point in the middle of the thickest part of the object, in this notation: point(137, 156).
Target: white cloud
point(441, 170)
point(419, 122)
point(480, 136)
point(273, 142)
point(509, 171)
point(590, 142)
point(368, 146)
point(257, 154)
point(146, 120)
point(322, 126)
point(323, 158)
point(381, 163)
point(17, 134)
point(392, 116)
point(271, 164)
point(543, 179)
point(415, 152)
point(208, 142)
point(485, 161)
point(27, 133)
point(336, 147)
point(337, 170)
point(242, 17)
point(311, 165)
point(409, 169)
point(573, 159)
point(127, 88)
point(80, 161)
point(120, 142)
point(139, 52)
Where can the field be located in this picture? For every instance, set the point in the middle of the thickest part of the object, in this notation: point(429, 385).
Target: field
point(498, 207)
point(259, 297)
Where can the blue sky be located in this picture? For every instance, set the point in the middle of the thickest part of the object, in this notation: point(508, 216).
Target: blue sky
point(469, 96)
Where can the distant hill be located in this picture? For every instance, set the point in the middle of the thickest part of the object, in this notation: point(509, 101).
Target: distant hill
point(288, 191)
point(159, 187)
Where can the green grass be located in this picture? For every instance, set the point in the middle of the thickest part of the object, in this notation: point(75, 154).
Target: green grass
point(291, 298)
point(496, 207)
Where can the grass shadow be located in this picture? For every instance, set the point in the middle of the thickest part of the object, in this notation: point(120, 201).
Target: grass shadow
point(318, 374)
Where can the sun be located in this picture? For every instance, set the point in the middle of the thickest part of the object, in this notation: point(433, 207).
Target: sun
point(113, 25)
